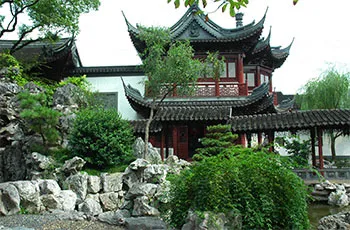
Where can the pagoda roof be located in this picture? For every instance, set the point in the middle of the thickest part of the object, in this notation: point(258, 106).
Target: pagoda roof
point(208, 108)
point(296, 120)
point(56, 57)
point(199, 29)
point(267, 55)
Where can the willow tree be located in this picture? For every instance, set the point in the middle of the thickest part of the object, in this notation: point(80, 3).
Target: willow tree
point(329, 91)
point(169, 66)
point(48, 19)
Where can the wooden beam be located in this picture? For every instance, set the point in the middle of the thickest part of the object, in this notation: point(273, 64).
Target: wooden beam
point(320, 146)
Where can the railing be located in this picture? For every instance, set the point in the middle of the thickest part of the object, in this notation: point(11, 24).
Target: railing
point(328, 174)
point(221, 88)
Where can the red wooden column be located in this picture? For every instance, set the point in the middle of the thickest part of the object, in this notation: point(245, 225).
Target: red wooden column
point(162, 142)
point(258, 79)
point(259, 138)
point(242, 140)
point(175, 140)
point(320, 146)
point(313, 150)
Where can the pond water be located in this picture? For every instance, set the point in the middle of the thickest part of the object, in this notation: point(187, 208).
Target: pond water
point(316, 211)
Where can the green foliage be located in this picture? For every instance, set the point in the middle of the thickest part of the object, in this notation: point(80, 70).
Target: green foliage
point(168, 65)
point(258, 185)
point(11, 69)
point(214, 66)
point(101, 137)
point(47, 18)
point(298, 150)
point(329, 91)
point(39, 116)
point(218, 138)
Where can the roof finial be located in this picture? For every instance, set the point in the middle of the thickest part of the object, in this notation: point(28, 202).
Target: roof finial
point(239, 19)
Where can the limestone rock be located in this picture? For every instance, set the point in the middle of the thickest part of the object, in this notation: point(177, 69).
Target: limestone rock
point(112, 182)
point(73, 166)
point(39, 161)
point(94, 184)
point(95, 197)
point(68, 95)
point(139, 164)
point(50, 202)
point(155, 173)
point(175, 164)
point(141, 189)
point(114, 217)
point(8, 88)
point(340, 221)
point(110, 201)
point(153, 155)
point(9, 199)
point(33, 88)
point(145, 223)
point(338, 198)
point(143, 208)
point(30, 195)
point(49, 187)
point(13, 163)
point(90, 207)
point(68, 199)
point(78, 184)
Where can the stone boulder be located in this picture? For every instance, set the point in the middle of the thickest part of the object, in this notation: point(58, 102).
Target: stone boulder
point(73, 166)
point(33, 88)
point(9, 199)
point(112, 182)
point(94, 184)
point(78, 184)
point(339, 197)
point(145, 223)
point(111, 201)
point(90, 207)
point(153, 155)
point(68, 95)
point(176, 165)
point(114, 217)
point(29, 192)
point(13, 163)
point(340, 221)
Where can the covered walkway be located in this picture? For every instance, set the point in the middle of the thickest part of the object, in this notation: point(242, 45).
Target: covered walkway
point(316, 121)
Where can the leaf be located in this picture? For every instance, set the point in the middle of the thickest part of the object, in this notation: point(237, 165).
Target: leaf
point(169, 1)
point(232, 10)
point(224, 7)
point(204, 3)
point(177, 3)
point(295, 2)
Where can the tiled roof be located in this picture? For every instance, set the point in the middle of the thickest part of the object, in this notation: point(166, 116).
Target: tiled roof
point(192, 109)
point(102, 71)
point(139, 126)
point(296, 120)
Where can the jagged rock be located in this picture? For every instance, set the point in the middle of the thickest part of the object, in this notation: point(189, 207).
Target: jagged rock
point(139, 164)
point(155, 173)
point(8, 88)
point(213, 221)
point(175, 164)
point(145, 223)
point(78, 184)
point(318, 187)
point(33, 88)
point(131, 177)
point(112, 182)
point(114, 217)
point(9, 199)
point(94, 184)
point(13, 163)
point(50, 202)
point(49, 187)
point(153, 155)
point(141, 189)
point(68, 200)
point(73, 166)
point(69, 215)
point(95, 197)
point(110, 201)
point(68, 95)
point(142, 207)
point(12, 132)
point(338, 198)
point(328, 185)
point(90, 207)
point(39, 161)
point(30, 195)
point(340, 221)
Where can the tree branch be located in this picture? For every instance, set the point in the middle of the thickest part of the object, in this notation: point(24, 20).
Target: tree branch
point(18, 44)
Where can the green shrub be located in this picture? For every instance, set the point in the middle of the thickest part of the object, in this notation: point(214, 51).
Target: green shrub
point(11, 69)
point(101, 137)
point(258, 185)
point(39, 116)
point(218, 138)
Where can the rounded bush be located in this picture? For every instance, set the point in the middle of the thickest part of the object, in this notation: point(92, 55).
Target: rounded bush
point(101, 137)
point(257, 185)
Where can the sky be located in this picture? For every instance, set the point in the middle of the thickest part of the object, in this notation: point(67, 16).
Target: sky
point(320, 29)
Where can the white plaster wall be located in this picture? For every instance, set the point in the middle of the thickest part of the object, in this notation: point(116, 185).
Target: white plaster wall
point(114, 84)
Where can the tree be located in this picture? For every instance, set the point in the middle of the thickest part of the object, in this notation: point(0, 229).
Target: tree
point(329, 91)
point(48, 18)
point(233, 5)
point(169, 66)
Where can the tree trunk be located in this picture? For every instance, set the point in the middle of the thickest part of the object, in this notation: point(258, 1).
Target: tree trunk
point(148, 124)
